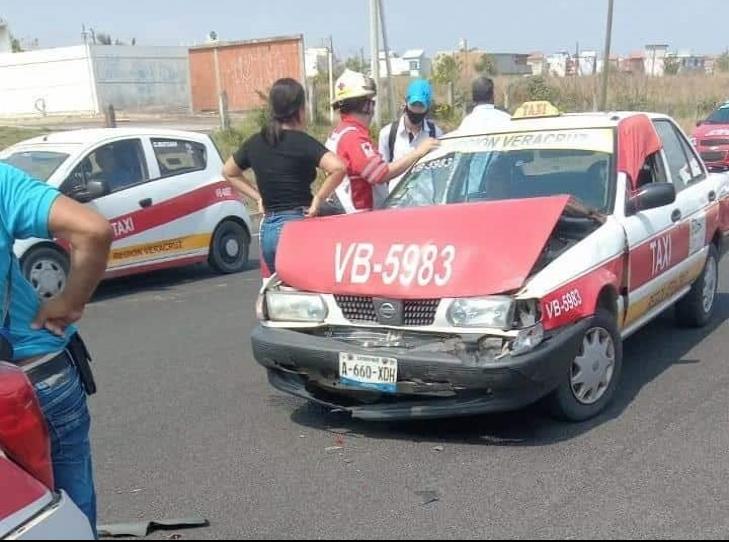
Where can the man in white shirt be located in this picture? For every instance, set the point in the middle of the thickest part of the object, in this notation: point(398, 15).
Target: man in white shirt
point(484, 115)
point(413, 127)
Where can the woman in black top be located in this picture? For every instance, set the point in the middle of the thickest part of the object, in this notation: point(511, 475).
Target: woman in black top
point(284, 159)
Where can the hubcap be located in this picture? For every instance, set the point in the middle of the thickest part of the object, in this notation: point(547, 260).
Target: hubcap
point(594, 366)
point(48, 278)
point(710, 282)
point(232, 248)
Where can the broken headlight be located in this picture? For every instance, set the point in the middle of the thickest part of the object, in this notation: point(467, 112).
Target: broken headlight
point(489, 312)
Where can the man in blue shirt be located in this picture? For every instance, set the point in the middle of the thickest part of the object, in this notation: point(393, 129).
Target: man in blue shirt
point(43, 336)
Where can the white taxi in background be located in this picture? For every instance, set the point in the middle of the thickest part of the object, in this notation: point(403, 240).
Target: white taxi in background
point(162, 191)
point(507, 267)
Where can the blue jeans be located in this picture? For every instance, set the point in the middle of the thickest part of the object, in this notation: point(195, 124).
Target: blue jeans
point(63, 401)
point(271, 228)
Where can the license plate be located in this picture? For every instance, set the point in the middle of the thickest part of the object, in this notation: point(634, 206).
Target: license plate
point(368, 372)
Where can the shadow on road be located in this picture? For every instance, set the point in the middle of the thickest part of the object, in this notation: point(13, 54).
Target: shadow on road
point(160, 281)
point(647, 355)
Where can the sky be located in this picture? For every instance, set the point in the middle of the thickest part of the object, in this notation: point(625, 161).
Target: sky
point(433, 25)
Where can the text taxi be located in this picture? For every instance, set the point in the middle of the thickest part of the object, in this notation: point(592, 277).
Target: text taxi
point(507, 268)
point(162, 191)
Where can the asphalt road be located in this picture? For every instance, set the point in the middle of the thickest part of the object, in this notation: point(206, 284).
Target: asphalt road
point(186, 424)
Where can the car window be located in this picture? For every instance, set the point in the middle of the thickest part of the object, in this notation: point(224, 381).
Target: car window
point(176, 156)
point(483, 176)
point(719, 116)
point(681, 169)
point(38, 164)
point(653, 171)
point(119, 165)
point(697, 171)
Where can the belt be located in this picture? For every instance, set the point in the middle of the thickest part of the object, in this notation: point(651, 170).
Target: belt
point(289, 212)
point(40, 369)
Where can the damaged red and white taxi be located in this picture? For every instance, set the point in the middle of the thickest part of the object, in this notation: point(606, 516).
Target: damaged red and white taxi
point(507, 268)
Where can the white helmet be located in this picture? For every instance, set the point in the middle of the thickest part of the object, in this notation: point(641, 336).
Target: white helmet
point(352, 85)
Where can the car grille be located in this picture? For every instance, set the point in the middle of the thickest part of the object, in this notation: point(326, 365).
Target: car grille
point(714, 142)
point(713, 156)
point(416, 312)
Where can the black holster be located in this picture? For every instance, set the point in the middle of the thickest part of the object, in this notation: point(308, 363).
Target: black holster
point(81, 360)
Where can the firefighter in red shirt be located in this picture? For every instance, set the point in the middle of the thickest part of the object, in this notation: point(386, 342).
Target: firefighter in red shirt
point(365, 187)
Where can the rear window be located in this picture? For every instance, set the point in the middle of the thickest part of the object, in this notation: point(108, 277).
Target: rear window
point(176, 156)
point(38, 164)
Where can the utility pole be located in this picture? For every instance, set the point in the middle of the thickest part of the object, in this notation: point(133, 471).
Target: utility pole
point(388, 63)
point(331, 79)
point(606, 67)
point(375, 55)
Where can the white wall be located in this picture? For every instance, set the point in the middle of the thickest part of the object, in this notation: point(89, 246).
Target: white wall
point(57, 80)
point(316, 60)
point(134, 78)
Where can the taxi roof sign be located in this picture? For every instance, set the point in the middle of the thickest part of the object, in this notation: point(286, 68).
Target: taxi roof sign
point(533, 110)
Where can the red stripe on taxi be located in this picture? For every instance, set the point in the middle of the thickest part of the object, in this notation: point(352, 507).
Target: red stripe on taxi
point(172, 209)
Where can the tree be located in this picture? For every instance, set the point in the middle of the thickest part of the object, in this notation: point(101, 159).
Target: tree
point(103, 39)
point(722, 63)
point(447, 69)
point(356, 64)
point(485, 65)
point(15, 44)
point(671, 65)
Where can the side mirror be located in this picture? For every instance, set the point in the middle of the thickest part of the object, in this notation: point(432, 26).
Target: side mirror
point(652, 196)
point(93, 190)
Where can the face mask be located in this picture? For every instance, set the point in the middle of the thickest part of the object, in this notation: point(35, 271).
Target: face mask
point(415, 118)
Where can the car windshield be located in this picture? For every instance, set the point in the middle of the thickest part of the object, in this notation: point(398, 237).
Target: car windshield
point(37, 164)
point(513, 166)
point(720, 116)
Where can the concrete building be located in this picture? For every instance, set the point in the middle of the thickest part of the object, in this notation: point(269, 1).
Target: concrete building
point(413, 63)
point(511, 63)
point(316, 60)
point(690, 63)
point(588, 63)
point(655, 59)
point(537, 63)
point(5, 42)
point(85, 79)
point(558, 63)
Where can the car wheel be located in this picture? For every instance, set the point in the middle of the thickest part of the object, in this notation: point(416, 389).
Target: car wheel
point(594, 374)
point(46, 269)
point(230, 247)
point(697, 307)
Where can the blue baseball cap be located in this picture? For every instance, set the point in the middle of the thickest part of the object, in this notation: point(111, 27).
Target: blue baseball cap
point(420, 92)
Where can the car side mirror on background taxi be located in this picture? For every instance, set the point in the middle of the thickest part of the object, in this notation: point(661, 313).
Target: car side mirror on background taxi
point(93, 190)
point(651, 196)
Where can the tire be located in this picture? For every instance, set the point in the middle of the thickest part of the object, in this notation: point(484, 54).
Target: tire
point(575, 402)
point(46, 268)
point(697, 307)
point(230, 247)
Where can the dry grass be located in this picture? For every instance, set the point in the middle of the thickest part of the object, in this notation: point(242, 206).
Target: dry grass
point(10, 135)
point(687, 98)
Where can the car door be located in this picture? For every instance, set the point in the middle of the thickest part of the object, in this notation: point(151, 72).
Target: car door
point(698, 195)
point(654, 249)
point(180, 191)
point(122, 168)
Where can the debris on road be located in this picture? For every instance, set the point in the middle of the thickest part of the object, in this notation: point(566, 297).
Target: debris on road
point(145, 528)
point(428, 497)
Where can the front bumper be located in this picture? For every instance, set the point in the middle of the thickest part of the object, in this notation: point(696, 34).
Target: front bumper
point(716, 159)
point(430, 384)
